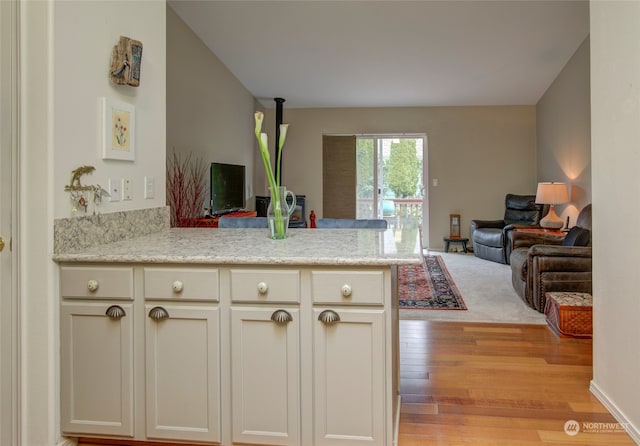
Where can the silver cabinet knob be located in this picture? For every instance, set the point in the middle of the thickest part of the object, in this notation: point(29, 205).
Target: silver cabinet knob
point(329, 317)
point(281, 317)
point(263, 288)
point(158, 313)
point(92, 285)
point(346, 290)
point(115, 312)
point(177, 286)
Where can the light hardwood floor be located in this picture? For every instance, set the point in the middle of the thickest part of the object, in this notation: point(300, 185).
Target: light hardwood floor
point(465, 383)
point(496, 384)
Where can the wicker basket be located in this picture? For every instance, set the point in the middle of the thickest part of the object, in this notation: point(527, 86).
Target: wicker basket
point(569, 314)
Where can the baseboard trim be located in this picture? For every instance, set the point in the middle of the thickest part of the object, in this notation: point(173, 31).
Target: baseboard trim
point(632, 430)
point(68, 442)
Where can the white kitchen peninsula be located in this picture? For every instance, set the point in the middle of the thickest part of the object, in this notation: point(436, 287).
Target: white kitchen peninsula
point(226, 336)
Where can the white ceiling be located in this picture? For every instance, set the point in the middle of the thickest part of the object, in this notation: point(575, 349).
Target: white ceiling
point(368, 53)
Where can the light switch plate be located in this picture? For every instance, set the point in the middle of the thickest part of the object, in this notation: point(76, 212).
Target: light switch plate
point(149, 187)
point(114, 190)
point(126, 189)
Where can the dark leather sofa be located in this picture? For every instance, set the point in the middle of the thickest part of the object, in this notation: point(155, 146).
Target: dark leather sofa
point(492, 238)
point(540, 263)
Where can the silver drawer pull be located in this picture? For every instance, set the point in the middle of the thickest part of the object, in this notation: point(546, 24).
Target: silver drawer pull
point(346, 290)
point(92, 285)
point(158, 313)
point(263, 288)
point(115, 312)
point(281, 317)
point(329, 317)
point(177, 286)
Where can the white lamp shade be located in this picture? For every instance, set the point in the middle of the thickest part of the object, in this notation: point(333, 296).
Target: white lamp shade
point(552, 193)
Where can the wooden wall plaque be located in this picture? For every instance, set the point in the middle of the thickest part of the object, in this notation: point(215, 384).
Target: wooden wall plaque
point(126, 59)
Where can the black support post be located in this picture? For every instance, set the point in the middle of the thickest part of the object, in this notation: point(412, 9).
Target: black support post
point(279, 102)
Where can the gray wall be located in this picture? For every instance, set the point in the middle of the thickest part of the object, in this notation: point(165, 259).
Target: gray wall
point(209, 112)
point(478, 154)
point(563, 118)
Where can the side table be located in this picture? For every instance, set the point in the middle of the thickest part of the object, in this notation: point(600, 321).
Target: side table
point(550, 232)
point(462, 241)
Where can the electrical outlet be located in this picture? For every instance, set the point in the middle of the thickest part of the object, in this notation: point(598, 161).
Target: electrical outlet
point(114, 190)
point(149, 187)
point(126, 189)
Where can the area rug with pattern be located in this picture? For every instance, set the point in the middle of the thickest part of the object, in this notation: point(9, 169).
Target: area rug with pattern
point(428, 286)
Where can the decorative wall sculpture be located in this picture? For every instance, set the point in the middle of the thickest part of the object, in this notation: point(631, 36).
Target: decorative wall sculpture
point(126, 58)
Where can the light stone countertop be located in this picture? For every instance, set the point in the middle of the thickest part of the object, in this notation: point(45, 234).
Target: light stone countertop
point(364, 247)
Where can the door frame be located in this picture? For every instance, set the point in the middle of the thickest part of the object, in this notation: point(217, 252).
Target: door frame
point(9, 225)
point(424, 228)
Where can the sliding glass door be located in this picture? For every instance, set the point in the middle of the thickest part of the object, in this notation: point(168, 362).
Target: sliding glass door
point(391, 174)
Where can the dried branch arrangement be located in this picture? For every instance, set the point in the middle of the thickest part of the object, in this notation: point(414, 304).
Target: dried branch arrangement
point(186, 187)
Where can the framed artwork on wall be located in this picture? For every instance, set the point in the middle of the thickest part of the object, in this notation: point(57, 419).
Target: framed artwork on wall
point(118, 130)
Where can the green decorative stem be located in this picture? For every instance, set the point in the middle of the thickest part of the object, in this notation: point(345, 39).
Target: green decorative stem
point(278, 212)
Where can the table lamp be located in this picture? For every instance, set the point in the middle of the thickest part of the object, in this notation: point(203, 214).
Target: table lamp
point(552, 193)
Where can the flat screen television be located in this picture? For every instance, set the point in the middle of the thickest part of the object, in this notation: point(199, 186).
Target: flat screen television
point(227, 188)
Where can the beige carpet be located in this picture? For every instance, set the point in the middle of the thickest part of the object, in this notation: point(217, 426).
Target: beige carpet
point(487, 291)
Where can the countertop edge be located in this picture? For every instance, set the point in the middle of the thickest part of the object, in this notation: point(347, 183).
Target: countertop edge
point(340, 247)
point(83, 258)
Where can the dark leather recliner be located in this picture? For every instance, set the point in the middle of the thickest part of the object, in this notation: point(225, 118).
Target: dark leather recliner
point(492, 238)
point(540, 263)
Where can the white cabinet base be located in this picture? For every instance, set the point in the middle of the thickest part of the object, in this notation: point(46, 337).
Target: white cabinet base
point(183, 374)
point(230, 354)
point(265, 376)
point(96, 369)
point(349, 381)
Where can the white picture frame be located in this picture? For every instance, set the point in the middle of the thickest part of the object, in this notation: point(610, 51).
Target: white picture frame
point(118, 130)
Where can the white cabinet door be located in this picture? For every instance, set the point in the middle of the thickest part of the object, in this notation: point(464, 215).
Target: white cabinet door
point(349, 377)
point(183, 373)
point(265, 368)
point(96, 368)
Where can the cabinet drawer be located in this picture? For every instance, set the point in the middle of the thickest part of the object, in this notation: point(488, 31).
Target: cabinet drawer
point(181, 283)
point(347, 287)
point(96, 282)
point(269, 285)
